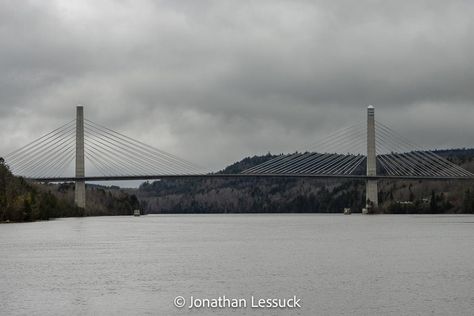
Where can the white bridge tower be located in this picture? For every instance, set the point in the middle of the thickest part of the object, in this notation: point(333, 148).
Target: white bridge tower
point(371, 188)
point(80, 192)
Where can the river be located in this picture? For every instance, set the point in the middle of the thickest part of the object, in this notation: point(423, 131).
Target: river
point(334, 264)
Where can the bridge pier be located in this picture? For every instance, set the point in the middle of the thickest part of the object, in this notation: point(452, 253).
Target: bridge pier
point(372, 200)
point(80, 191)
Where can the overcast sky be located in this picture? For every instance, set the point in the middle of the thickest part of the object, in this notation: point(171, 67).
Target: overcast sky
point(214, 81)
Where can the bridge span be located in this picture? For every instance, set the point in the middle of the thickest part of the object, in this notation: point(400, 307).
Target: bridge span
point(368, 151)
point(242, 175)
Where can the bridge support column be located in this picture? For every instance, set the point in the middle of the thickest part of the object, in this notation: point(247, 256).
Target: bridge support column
point(371, 187)
point(80, 192)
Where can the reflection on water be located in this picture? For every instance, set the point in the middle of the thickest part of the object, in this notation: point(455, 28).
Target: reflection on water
point(337, 265)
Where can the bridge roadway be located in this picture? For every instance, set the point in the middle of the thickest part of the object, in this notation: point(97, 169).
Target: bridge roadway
point(244, 175)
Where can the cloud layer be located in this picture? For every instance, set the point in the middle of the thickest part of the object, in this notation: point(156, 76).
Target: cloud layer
point(213, 81)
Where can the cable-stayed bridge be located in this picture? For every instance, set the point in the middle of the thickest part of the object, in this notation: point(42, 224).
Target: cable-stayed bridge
point(368, 151)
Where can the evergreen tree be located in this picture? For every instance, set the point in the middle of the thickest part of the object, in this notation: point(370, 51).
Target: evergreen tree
point(468, 202)
point(433, 204)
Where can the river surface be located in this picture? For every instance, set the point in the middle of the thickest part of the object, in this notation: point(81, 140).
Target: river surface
point(335, 264)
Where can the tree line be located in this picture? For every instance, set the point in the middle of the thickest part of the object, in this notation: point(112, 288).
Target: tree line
point(246, 195)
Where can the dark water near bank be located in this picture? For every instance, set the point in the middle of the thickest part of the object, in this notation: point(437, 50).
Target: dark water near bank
point(337, 265)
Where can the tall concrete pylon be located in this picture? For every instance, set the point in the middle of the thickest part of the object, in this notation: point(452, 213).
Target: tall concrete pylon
point(80, 192)
point(371, 187)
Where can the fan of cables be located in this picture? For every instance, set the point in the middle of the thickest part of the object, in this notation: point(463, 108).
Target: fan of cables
point(339, 153)
point(107, 153)
point(344, 153)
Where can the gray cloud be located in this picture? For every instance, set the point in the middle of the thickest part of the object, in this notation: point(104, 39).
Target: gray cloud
point(212, 81)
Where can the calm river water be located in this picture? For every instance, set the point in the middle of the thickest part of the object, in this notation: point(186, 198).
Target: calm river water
point(336, 265)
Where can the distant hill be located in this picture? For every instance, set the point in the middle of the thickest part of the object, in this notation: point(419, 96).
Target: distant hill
point(247, 163)
point(246, 195)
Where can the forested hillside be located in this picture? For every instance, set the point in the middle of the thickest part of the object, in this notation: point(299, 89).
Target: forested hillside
point(307, 195)
point(23, 201)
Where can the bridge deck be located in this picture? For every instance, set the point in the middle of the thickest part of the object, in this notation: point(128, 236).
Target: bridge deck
point(223, 176)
